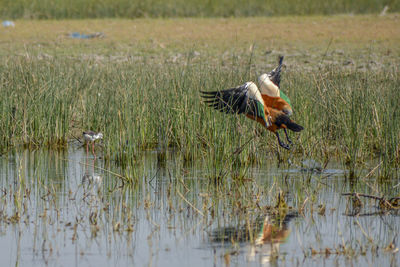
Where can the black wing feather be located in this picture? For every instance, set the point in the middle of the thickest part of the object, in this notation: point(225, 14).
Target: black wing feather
point(234, 100)
point(275, 74)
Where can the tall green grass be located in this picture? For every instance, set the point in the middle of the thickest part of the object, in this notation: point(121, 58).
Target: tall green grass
point(347, 114)
point(353, 114)
point(58, 9)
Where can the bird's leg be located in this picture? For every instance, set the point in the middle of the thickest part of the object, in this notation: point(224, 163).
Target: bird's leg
point(93, 150)
point(87, 148)
point(285, 146)
point(287, 137)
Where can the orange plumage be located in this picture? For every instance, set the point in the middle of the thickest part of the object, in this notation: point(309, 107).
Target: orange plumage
point(266, 106)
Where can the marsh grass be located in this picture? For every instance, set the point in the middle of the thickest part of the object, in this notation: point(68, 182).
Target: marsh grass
point(351, 114)
point(172, 166)
point(347, 114)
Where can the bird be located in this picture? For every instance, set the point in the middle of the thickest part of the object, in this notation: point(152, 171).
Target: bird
point(91, 137)
point(271, 93)
point(266, 106)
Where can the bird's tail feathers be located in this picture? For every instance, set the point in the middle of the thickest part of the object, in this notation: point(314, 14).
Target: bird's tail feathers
point(294, 126)
point(291, 125)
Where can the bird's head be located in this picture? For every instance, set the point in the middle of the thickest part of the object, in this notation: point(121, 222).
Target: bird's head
point(267, 86)
point(100, 136)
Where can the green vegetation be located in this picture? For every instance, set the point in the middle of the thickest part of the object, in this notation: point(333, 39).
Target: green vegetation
point(138, 106)
point(351, 113)
point(169, 165)
point(59, 9)
point(144, 94)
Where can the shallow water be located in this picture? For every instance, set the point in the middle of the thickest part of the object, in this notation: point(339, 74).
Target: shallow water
point(68, 209)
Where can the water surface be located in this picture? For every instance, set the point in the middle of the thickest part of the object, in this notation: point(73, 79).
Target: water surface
point(69, 209)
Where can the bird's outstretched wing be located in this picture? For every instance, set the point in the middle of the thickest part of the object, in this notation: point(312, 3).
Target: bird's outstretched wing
point(242, 99)
point(275, 74)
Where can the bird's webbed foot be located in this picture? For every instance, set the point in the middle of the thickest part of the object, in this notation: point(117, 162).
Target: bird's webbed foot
point(287, 137)
point(285, 146)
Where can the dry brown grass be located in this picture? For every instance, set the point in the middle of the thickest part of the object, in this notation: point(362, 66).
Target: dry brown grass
point(342, 32)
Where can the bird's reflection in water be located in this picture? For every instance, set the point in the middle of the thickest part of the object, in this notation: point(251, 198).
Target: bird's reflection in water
point(275, 231)
point(272, 231)
point(91, 179)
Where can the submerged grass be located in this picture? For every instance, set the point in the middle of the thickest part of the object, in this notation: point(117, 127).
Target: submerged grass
point(53, 197)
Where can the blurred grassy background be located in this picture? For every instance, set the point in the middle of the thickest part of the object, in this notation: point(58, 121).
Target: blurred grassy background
point(66, 9)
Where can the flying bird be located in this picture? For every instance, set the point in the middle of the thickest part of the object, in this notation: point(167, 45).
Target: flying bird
point(267, 106)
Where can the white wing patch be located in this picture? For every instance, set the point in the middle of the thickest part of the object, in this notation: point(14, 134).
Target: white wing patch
point(254, 93)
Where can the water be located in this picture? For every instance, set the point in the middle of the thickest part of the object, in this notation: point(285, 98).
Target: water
point(69, 209)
